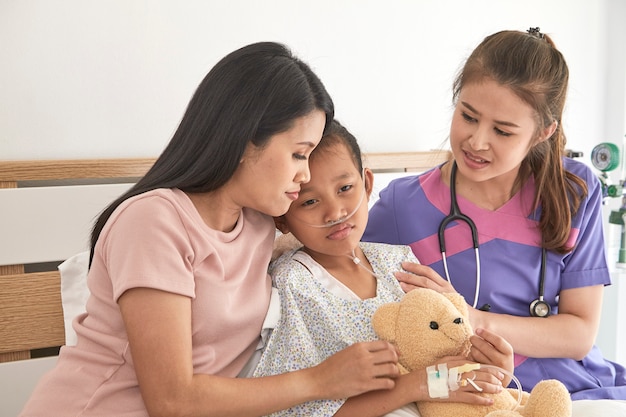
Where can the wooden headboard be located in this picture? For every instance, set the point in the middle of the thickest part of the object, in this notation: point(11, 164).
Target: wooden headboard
point(48, 208)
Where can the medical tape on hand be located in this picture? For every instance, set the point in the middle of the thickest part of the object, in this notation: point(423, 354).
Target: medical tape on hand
point(438, 381)
point(455, 376)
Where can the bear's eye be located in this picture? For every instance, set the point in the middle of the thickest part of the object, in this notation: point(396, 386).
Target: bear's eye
point(434, 325)
point(458, 320)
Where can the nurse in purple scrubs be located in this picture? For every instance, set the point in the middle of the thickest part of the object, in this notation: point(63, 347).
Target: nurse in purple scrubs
point(525, 246)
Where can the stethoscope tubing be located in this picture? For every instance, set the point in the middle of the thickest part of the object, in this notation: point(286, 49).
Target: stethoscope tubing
point(538, 308)
point(456, 215)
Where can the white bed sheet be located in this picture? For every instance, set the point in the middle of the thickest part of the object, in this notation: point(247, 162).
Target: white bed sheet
point(599, 408)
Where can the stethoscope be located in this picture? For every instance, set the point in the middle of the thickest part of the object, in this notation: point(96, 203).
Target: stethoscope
point(538, 308)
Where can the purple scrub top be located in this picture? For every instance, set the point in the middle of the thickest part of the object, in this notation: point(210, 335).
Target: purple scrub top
point(409, 212)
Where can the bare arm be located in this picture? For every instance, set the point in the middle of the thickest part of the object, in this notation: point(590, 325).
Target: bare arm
point(159, 331)
point(413, 387)
point(569, 334)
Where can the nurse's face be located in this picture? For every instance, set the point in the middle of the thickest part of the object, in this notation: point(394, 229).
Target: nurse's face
point(492, 131)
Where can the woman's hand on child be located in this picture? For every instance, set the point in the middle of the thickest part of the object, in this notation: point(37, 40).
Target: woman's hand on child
point(359, 368)
point(421, 276)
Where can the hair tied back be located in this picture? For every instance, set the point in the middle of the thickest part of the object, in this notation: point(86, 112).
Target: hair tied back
point(536, 32)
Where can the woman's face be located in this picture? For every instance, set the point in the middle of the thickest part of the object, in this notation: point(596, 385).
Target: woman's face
point(335, 195)
point(269, 178)
point(492, 131)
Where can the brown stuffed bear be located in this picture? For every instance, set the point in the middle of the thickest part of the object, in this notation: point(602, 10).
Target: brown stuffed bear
point(426, 326)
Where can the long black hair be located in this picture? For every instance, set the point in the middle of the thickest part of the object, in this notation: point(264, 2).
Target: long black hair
point(250, 95)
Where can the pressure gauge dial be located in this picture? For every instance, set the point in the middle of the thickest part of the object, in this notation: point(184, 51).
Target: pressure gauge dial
point(605, 156)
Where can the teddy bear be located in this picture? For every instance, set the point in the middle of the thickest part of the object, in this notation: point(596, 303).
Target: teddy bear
point(426, 326)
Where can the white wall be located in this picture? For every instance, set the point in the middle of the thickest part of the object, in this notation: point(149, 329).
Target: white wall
point(92, 78)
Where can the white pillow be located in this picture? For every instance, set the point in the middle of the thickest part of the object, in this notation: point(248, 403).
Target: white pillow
point(74, 291)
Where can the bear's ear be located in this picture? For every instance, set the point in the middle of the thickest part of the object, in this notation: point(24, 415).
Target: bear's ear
point(384, 321)
point(458, 301)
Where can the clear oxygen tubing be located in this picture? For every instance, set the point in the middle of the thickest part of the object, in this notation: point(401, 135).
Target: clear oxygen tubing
point(513, 378)
point(344, 218)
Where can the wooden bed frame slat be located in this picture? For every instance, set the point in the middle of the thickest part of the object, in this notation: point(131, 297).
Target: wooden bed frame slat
point(32, 314)
point(74, 169)
point(11, 269)
point(13, 171)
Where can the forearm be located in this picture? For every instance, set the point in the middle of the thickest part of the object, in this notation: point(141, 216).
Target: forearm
point(560, 335)
point(359, 368)
point(409, 388)
point(208, 395)
point(413, 387)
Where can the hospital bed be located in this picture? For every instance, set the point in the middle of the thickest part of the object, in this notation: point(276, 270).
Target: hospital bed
point(47, 209)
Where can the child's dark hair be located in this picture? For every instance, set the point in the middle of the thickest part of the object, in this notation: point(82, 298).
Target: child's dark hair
point(337, 133)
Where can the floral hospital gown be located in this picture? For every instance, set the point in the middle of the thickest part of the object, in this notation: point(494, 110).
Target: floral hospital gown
point(320, 316)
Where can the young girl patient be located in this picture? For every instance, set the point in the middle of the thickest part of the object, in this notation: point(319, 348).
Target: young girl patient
point(330, 287)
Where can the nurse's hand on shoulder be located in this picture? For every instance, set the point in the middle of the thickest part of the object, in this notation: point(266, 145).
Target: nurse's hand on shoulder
point(421, 276)
point(359, 368)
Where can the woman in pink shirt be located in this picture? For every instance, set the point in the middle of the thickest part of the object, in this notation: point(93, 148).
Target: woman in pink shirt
point(178, 269)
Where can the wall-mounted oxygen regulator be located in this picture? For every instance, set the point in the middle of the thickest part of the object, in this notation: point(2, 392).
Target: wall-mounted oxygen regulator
point(606, 157)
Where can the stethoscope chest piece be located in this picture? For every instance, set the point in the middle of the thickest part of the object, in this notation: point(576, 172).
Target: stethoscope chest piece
point(540, 308)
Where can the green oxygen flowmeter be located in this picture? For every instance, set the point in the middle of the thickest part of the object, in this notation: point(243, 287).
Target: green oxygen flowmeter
point(606, 157)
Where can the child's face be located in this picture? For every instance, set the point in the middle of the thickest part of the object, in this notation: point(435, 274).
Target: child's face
point(336, 190)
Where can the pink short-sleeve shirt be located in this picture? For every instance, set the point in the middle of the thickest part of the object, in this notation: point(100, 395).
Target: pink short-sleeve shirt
point(158, 240)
